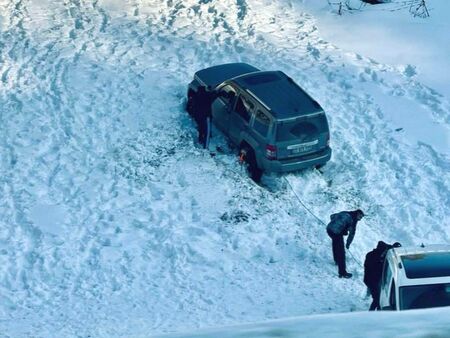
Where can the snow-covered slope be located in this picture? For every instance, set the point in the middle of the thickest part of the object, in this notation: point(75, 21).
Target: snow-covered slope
point(114, 223)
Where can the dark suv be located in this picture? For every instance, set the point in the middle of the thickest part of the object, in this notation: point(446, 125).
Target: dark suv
point(277, 126)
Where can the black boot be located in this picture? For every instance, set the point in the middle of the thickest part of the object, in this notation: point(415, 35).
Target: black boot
point(345, 275)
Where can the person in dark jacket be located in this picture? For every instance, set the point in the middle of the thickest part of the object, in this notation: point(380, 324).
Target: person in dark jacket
point(343, 224)
point(373, 267)
point(202, 114)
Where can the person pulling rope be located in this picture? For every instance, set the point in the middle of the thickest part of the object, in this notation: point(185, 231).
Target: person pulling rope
point(341, 224)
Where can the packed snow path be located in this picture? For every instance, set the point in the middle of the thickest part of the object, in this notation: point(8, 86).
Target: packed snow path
point(114, 223)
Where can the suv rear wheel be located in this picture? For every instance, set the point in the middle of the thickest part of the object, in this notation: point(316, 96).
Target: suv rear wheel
point(247, 155)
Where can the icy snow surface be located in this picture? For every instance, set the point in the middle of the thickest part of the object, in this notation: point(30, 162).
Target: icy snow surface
point(115, 224)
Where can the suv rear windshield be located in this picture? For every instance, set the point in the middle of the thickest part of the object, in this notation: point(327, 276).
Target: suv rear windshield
point(304, 129)
point(424, 296)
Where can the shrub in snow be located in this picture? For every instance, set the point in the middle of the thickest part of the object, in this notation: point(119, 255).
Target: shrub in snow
point(374, 2)
point(416, 7)
point(419, 8)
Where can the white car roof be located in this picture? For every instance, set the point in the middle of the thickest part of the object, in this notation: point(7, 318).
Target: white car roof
point(419, 265)
point(411, 250)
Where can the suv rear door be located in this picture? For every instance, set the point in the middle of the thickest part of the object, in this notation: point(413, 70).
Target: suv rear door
point(302, 135)
point(240, 117)
point(262, 127)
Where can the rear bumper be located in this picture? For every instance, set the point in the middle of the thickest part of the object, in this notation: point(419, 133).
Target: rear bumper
point(297, 163)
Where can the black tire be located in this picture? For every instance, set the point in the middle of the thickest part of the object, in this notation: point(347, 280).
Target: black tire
point(249, 159)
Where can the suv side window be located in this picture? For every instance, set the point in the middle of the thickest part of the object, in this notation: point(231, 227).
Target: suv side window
point(244, 108)
point(262, 123)
point(228, 95)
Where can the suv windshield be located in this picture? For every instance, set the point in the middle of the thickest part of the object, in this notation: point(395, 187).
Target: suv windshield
point(424, 296)
point(302, 129)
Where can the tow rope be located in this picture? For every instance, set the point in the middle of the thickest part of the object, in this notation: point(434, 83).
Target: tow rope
point(317, 218)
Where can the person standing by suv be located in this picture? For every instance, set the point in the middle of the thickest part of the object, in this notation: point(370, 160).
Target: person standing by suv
point(343, 224)
point(202, 114)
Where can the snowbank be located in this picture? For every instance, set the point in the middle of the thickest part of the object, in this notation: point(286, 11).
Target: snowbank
point(410, 324)
point(389, 33)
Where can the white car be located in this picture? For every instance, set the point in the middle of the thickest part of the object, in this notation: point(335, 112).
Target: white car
point(416, 278)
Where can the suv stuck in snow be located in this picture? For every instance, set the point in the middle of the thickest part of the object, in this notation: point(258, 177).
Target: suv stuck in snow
point(276, 125)
point(416, 278)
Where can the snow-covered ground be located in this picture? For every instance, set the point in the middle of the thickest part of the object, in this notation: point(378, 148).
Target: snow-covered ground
point(417, 47)
point(115, 224)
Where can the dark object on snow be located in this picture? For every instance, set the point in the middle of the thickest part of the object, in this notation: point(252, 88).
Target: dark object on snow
point(201, 110)
point(419, 8)
point(373, 266)
point(373, 2)
point(346, 275)
point(342, 224)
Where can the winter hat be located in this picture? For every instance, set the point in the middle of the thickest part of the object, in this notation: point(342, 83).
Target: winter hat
point(359, 211)
point(381, 246)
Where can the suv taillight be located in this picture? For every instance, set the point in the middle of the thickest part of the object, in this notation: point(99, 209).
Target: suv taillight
point(271, 152)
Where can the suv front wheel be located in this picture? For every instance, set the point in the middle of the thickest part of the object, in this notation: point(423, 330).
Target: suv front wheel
point(248, 157)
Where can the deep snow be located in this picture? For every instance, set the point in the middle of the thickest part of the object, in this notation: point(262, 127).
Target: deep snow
point(115, 224)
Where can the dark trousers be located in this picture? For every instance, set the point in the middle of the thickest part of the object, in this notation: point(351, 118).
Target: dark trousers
point(204, 131)
point(338, 251)
point(375, 293)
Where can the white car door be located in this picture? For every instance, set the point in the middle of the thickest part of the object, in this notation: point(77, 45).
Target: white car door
point(387, 280)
